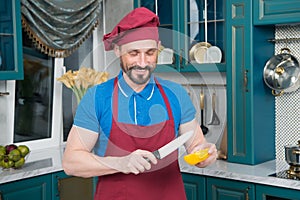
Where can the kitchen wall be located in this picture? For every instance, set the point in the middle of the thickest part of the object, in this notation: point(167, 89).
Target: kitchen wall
point(287, 106)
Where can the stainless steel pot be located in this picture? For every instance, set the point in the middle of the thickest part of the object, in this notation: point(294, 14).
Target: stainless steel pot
point(282, 73)
point(292, 154)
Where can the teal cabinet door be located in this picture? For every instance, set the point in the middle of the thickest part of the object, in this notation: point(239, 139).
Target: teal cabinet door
point(182, 25)
point(250, 104)
point(11, 59)
point(38, 188)
point(195, 186)
point(66, 187)
point(264, 192)
point(221, 189)
point(276, 11)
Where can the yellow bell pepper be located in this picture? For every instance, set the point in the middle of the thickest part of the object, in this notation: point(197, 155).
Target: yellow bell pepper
point(196, 157)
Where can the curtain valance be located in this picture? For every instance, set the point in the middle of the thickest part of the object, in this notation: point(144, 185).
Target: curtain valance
point(58, 27)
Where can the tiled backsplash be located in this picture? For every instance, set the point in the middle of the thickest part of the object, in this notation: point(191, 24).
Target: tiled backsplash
point(287, 106)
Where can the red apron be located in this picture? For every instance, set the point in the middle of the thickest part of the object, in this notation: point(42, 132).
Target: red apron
point(163, 181)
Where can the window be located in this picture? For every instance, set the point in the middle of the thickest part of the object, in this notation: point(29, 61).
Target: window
point(33, 97)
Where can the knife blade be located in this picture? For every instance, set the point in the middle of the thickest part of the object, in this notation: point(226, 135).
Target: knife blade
point(173, 145)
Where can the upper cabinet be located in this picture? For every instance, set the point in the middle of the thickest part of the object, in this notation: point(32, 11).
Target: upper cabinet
point(194, 30)
point(250, 105)
point(11, 62)
point(276, 11)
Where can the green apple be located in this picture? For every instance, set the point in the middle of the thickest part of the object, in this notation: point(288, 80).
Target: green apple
point(24, 150)
point(2, 154)
point(14, 155)
point(19, 163)
point(2, 148)
point(5, 163)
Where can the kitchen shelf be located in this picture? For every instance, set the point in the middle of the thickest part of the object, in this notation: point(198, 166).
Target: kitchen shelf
point(284, 40)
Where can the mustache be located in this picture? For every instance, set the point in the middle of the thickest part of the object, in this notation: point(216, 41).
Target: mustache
point(137, 67)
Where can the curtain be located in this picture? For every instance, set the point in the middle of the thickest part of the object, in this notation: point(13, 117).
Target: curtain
point(58, 27)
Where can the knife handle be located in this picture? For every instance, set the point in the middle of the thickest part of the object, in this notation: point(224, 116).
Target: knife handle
point(156, 154)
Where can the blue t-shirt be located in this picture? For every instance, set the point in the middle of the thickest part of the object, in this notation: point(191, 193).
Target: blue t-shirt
point(144, 108)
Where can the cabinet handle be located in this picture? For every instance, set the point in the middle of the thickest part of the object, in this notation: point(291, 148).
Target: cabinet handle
point(180, 56)
point(246, 80)
point(58, 186)
point(247, 193)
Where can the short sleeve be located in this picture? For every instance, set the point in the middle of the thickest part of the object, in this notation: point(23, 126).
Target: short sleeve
point(85, 116)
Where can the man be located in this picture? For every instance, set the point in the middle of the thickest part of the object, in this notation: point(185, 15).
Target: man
point(126, 118)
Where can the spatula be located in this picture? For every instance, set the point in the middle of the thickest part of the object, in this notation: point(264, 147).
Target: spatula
point(215, 119)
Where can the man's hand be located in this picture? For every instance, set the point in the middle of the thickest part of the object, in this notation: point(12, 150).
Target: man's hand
point(212, 154)
point(135, 162)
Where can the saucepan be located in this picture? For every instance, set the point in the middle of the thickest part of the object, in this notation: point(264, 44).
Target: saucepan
point(282, 73)
point(292, 154)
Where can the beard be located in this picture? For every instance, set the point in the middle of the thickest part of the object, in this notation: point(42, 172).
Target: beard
point(138, 79)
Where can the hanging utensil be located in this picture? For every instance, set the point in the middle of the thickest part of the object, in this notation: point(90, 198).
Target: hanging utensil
point(204, 128)
point(215, 119)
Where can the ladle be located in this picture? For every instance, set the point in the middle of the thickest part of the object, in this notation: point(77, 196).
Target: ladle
point(204, 128)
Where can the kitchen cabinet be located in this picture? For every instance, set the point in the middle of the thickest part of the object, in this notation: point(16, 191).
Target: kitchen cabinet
point(66, 187)
point(221, 189)
point(264, 192)
point(53, 186)
point(250, 104)
point(32, 188)
point(200, 187)
point(11, 59)
point(203, 187)
point(183, 24)
point(276, 11)
point(195, 186)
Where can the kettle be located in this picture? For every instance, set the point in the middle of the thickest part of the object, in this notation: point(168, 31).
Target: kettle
point(282, 73)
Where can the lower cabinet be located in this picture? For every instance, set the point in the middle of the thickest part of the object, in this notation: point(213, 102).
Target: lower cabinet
point(264, 192)
point(195, 187)
point(55, 186)
point(221, 189)
point(66, 187)
point(37, 188)
point(199, 187)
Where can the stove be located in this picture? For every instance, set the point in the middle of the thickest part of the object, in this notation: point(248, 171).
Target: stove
point(292, 173)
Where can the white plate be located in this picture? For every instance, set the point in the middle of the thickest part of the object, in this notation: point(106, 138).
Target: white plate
point(198, 50)
point(213, 55)
point(165, 56)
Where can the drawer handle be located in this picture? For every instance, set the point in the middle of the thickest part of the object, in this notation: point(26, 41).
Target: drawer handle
point(4, 94)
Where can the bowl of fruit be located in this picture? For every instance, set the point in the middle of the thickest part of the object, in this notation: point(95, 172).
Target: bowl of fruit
point(13, 156)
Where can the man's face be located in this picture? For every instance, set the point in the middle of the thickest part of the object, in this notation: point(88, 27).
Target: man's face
point(138, 60)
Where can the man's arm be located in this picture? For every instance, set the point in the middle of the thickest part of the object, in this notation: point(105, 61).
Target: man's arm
point(198, 142)
point(78, 159)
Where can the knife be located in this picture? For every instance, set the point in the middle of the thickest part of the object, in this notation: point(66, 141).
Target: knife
point(172, 146)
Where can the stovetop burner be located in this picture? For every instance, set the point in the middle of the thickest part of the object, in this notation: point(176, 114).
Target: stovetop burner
point(292, 173)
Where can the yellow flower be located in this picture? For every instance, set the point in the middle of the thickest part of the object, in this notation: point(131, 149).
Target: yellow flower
point(81, 80)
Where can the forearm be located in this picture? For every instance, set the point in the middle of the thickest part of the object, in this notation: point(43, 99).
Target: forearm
point(198, 137)
point(87, 164)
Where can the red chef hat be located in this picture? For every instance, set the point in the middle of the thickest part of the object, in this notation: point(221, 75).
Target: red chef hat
point(139, 24)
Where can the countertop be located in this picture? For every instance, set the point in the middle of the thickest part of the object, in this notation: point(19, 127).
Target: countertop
point(46, 161)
